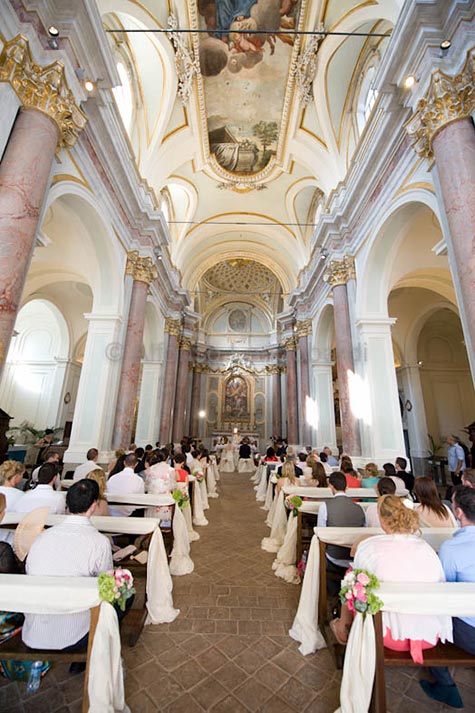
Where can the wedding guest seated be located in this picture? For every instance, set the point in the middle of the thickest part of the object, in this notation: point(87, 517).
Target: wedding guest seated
point(181, 469)
point(140, 453)
point(430, 508)
point(11, 473)
point(158, 475)
point(117, 454)
point(408, 478)
point(340, 511)
point(332, 461)
point(390, 472)
point(245, 449)
point(457, 556)
point(400, 555)
point(91, 464)
point(352, 480)
point(270, 456)
point(102, 507)
point(289, 461)
point(125, 483)
point(317, 477)
point(384, 486)
point(50, 456)
point(74, 548)
point(44, 495)
point(370, 477)
point(324, 461)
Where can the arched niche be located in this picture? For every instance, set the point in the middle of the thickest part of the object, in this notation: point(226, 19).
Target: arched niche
point(33, 377)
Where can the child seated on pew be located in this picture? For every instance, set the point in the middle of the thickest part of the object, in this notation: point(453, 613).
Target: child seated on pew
point(400, 555)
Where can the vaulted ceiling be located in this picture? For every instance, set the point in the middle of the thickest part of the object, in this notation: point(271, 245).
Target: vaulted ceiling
point(244, 128)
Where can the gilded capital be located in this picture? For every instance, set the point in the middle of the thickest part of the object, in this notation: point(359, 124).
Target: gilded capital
point(173, 326)
point(141, 268)
point(184, 343)
point(290, 344)
point(273, 369)
point(447, 99)
point(339, 272)
point(42, 88)
point(303, 327)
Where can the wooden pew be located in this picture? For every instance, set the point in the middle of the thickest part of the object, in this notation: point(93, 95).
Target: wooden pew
point(14, 648)
point(440, 655)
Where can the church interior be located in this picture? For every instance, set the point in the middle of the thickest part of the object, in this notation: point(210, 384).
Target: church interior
point(293, 261)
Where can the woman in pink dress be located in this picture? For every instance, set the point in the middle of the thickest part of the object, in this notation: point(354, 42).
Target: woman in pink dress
point(400, 555)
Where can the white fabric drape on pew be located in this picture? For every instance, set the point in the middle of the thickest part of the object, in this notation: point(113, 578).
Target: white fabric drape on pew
point(211, 481)
point(261, 487)
point(284, 564)
point(279, 524)
point(198, 512)
point(214, 463)
point(305, 626)
point(204, 494)
point(448, 598)
point(70, 595)
point(159, 582)
point(180, 562)
point(192, 534)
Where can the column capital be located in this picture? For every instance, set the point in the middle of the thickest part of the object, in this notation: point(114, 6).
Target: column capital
point(339, 272)
point(173, 326)
point(184, 343)
point(142, 269)
point(42, 88)
point(303, 327)
point(197, 367)
point(447, 99)
point(290, 344)
point(273, 369)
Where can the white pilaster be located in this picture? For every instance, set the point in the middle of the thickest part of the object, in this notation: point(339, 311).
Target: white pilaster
point(376, 396)
point(97, 393)
point(325, 434)
point(148, 418)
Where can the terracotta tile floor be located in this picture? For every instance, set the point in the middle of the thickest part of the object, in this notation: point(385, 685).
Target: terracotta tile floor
point(228, 651)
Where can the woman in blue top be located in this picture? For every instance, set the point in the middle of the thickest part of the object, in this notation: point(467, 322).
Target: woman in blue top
point(371, 476)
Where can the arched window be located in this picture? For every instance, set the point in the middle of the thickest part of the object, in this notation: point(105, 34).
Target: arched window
point(123, 96)
point(366, 98)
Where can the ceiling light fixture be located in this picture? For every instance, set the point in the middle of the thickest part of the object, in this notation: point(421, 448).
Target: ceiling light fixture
point(445, 45)
point(89, 86)
point(323, 254)
point(53, 34)
point(409, 81)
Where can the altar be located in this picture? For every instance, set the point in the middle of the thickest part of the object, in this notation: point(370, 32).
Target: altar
point(216, 436)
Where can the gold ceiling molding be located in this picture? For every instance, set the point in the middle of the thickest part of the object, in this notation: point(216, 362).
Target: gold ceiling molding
point(339, 272)
point(268, 370)
point(187, 59)
point(241, 276)
point(303, 327)
point(447, 99)
point(42, 88)
point(173, 327)
point(142, 269)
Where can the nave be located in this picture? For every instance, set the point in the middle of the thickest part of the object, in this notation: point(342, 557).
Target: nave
point(228, 651)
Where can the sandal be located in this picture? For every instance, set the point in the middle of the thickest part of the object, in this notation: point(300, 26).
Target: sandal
point(333, 627)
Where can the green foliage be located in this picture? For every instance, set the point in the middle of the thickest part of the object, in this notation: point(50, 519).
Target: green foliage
point(266, 132)
point(181, 499)
point(435, 448)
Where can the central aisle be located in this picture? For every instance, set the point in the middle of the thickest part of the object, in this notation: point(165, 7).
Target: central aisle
point(229, 650)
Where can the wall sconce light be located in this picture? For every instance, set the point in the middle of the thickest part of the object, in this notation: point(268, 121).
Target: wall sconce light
point(445, 45)
point(409, 81)
point(53, 34)
point(201, 414)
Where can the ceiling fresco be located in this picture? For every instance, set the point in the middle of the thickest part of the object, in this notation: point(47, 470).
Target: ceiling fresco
point(246, 77)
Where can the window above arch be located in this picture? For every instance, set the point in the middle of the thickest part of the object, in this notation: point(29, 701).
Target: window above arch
point(123, 96)
point(367, 96)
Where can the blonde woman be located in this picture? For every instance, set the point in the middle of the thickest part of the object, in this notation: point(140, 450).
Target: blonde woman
point(98, 475)
point(288, 474)
point(400, 555)
point(11, 474)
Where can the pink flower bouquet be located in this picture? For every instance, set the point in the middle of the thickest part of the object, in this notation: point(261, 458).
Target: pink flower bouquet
point(357, 592)
point(116, 586)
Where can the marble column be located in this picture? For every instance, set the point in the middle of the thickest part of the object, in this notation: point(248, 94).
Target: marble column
point(442, 131)
point(275, 372)
point(292, 394)
point(195, 400)
point(142, 272)
point(304, 329)
point(181, 393)
point(173, 327)
point(337, 275)
point(48, 117)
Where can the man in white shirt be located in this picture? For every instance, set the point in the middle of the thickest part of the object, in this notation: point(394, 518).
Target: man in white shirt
point(125, 483)
point(44, 495)
point(51, 456)
point(87, 467)
point(72, 549)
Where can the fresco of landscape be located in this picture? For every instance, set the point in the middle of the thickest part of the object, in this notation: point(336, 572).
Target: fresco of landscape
point(245, 77)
